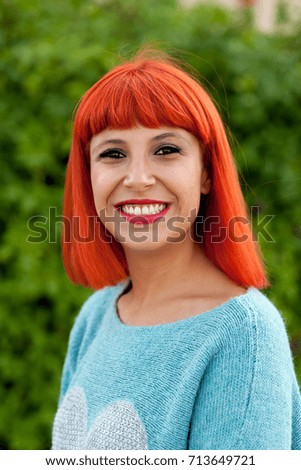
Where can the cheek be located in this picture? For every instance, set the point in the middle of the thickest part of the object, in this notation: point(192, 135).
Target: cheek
point(188, 183)
point(100, 189)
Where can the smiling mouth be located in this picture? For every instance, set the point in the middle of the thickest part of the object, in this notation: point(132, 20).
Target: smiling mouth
point(143, 209)
point(143, 213)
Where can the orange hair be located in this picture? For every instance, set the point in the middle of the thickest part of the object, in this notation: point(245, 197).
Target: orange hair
point(153, 91)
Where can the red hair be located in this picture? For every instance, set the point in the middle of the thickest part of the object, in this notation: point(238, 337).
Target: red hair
point(153, 92)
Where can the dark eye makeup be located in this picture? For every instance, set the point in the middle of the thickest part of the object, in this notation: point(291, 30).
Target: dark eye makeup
point(111, 153)
point(167, 150)
point(117, 154)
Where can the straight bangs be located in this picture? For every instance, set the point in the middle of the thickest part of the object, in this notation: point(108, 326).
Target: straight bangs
point(146, 95)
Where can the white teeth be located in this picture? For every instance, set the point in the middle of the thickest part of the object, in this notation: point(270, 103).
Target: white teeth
point(146, 210)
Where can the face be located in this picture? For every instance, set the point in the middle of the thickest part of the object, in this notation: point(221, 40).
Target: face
point(147, 184)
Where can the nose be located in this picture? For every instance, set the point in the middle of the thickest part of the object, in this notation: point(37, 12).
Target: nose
point(139, 175)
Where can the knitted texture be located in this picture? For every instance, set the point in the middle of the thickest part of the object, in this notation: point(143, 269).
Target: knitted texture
point(222, 379)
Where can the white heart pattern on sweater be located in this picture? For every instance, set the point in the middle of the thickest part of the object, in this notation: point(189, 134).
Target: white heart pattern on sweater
point(117, 427)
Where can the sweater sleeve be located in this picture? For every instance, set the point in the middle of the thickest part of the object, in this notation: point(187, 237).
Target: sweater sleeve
point(244, 399)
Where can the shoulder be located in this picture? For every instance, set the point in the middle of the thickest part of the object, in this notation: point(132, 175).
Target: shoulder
point(96, 304)
point(254, 309)
point(90, 316)
point(261, 326)
point(91, 305)
point(251, 323)
point(262, 314)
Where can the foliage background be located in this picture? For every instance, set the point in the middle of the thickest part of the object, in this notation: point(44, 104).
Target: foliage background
point(51, 52)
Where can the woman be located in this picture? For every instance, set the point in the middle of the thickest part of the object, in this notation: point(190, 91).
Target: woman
point(178, 348)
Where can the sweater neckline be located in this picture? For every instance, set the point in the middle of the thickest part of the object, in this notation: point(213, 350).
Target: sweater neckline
point(228, 304)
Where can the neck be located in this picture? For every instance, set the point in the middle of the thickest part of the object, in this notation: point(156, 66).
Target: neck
point(175, 269)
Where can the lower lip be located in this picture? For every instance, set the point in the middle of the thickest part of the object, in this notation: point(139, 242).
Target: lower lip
point(143, 218)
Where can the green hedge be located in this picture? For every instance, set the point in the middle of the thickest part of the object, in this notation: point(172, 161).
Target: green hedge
point(51, 53)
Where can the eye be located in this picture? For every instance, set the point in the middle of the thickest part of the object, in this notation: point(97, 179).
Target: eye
point(111, 153)
point(167, 150)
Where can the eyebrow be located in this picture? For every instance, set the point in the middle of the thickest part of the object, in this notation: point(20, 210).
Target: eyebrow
point(112, 141)
point(167, 134)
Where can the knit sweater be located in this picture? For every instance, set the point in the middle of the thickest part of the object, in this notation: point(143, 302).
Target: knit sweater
point(222, 379)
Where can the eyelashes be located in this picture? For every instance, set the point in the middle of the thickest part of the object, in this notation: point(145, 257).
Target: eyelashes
point(111, 153)
point(116, 154)
point(167, 150)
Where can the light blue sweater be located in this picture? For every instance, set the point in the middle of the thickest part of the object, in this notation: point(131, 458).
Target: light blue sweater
point(223, 379)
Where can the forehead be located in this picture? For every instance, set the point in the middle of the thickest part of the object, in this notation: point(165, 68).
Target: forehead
point(142, 134)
